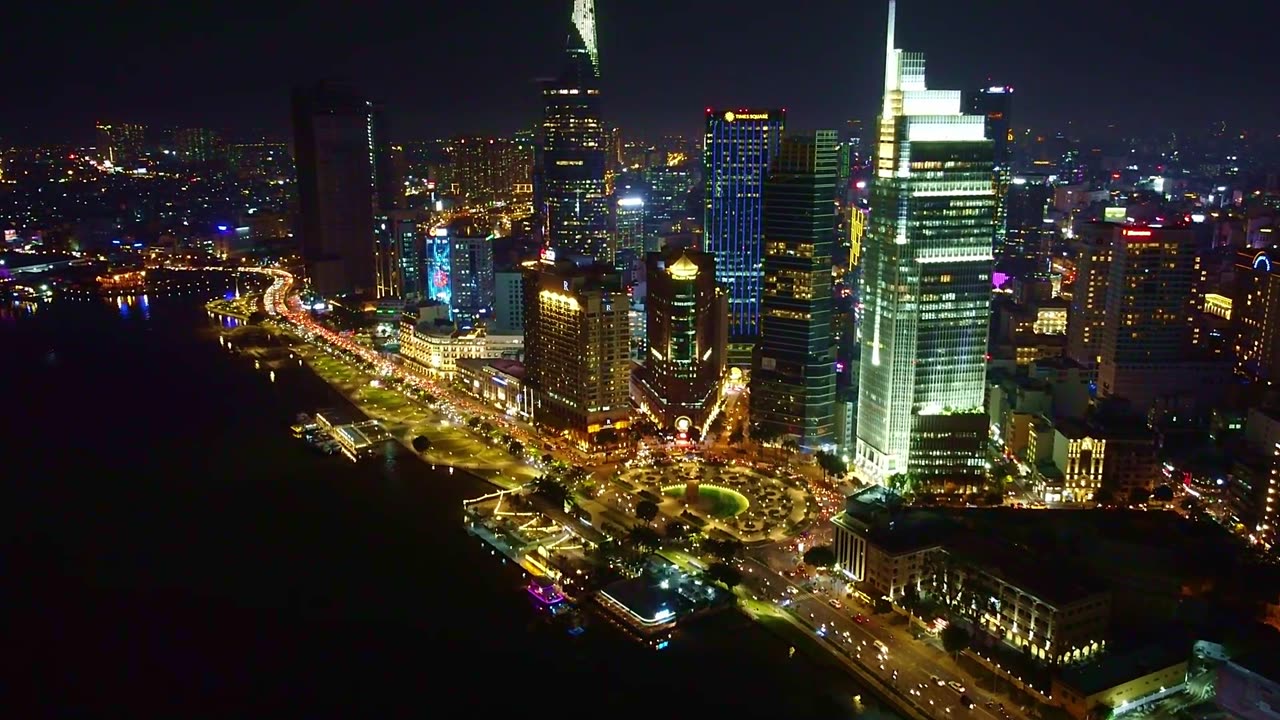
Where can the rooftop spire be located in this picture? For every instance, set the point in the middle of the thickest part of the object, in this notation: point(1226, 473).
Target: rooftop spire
point(584, 19)
point(890, 64)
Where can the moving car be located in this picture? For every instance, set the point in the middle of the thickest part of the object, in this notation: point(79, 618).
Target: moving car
point(956, 686)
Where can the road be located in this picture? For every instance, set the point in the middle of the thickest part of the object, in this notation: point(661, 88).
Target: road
point(918, 666)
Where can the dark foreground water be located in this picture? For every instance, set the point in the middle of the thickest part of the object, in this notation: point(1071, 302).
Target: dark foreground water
point(168, 547)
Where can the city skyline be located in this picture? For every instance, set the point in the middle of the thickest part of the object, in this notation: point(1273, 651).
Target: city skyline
point(660, 67)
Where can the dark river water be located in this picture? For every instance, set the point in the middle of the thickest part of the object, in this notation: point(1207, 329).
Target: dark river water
point(169, 548)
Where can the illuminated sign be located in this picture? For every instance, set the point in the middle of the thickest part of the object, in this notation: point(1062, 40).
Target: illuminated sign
point(568, 162)
point(683, 424)
point(548, 255)
point(1262, 262)
point(1137, 233)
point(1114, 214)
point(730, 116)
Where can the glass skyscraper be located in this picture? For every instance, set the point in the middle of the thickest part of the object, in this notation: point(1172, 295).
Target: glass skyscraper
point(793, 377)
point(739, 146)
point(926, 284)
point(573, 148)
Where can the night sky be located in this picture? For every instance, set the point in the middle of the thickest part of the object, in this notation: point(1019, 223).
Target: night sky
point(446, 67)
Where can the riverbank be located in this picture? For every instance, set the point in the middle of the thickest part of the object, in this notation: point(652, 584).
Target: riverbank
point(453, 444)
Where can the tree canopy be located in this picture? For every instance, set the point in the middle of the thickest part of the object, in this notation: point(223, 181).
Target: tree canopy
point(820, 556)
point(725, 574)
point(421, 444)
point(955, 639)
point(647, 510)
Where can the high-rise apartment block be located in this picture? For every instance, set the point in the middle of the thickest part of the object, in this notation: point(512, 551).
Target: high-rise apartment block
point(1148, 334)
point(573, 150)
point(995, 104)
point(926, 283)
point(577, 348)
point(793, 376)
point(739, 147)
point(1093, 248)
point(678, 384)
point(1255, 313)
point(338, 139)
point(121, 143)
point(490, 170)
point(508, 302)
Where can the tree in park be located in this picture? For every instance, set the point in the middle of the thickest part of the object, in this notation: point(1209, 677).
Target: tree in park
point(515, 447)
point(725, 574)
point(821, 556)
point(644, 538)
point(1164, 493)
point(647, 510)
point(421, 444)
point(955, 639)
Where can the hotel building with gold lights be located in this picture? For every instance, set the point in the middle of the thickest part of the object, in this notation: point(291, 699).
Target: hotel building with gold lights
point(577, 343)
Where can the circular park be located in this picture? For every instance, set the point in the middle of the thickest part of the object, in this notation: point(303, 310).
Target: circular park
point(717, 502)
point(736, 499)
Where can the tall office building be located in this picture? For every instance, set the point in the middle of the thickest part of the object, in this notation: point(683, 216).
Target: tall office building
point(471, 285)
point(666, 201)
point(573, 148)
point(508, 302)
point(1255, 313)
point(336, 138)
point(739, 146)
point(628, 232)
point(1093, 248)
point(793, 376)
point(1027, 237)
point(678, 384)
point(926, 283)
point(121, 143)
point(995, 103)
point(1148, 334)
point(576, 348)
point(398, 264)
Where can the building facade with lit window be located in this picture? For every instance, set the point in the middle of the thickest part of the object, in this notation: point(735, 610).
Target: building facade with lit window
point(1150, 347)
point(471, 282)
point(1255, 313)
point(678, 383)
point(738, 148)
point(498, 382)
point(398, 257)
point(629, 233)
point(1080, 453)
point(1093, 247)
point(793, 374)
point(926, 283)
point(439, 349)
point(573, 152)
point(577, 350)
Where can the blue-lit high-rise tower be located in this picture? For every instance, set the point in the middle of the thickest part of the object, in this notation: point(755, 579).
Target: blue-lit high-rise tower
point(573, 190)
point(739, 146)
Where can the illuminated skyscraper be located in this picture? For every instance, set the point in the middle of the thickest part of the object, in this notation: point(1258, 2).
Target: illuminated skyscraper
point(629, 233)
point(573, 147)
point(739, 146)
point(678, 384)
point(793, 377)
point(926, 283)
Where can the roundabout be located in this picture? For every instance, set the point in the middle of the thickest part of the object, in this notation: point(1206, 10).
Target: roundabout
point(747, 503)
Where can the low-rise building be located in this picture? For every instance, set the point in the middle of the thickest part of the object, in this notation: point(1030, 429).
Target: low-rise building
point(438, 348)
point(1122, 682)
point(1249, 687)
point(498, 382)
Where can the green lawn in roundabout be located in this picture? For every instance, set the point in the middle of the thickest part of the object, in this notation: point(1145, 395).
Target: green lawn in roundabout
point(717, 502)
